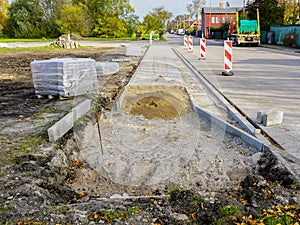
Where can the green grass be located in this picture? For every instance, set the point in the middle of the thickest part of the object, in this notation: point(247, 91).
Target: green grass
point(40, 48)
point(230, 211)
point(284, 215)
point(25, 39)
point(13, 149)
point(174, 189)
point(228, 214)
point(110, 215)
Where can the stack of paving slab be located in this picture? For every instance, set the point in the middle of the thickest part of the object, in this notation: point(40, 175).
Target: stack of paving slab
point(106, 68)
point(64, 77)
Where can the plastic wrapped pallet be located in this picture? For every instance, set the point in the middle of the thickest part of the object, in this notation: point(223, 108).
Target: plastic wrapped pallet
point(106, 68)
point(64, 76)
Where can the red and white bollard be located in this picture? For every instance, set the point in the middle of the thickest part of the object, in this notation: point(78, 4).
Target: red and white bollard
point(185, 42)
point(202, 48)
point(227, 58)
point(190, 48)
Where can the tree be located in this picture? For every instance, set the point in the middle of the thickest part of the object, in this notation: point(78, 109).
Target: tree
point(157, 20)
point(291, 12)
point(49, 18)
point(4, 4)
point(28, 19)
point(111, 18)
point(73, 19)
point(271, 13)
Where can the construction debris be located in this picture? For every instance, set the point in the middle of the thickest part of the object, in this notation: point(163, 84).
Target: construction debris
point(63, 42)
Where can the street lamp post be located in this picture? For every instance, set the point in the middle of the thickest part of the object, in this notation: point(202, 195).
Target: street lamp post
point(209, 18)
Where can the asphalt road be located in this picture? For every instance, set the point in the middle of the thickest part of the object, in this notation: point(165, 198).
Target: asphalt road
point(265, 77)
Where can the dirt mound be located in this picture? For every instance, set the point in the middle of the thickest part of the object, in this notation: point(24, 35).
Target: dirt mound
point(154, 107)
point(74, 37)
point(152, 102)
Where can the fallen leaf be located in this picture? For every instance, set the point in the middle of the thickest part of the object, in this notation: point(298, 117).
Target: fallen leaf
point(244, 202)
point(81, 194)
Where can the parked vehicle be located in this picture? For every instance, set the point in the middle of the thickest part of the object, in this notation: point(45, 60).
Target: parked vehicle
point(180, 32)
point(244, 31)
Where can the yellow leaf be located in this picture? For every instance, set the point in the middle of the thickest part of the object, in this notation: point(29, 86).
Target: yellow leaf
point(194, 216)
point(81, 194)
point(72, 169)
point(76, 162)
point(245, 202)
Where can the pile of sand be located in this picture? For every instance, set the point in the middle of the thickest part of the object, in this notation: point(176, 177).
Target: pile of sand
point(154, 107)
point(156, 102)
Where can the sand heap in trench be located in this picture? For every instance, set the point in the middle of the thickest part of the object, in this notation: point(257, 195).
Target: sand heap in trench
point(154, 107)
point(156, 102)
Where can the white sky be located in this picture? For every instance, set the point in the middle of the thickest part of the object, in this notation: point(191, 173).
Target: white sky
point(177, 7)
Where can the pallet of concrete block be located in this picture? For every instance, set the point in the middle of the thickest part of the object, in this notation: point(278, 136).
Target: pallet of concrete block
point(133, 50)
point(65, 77)
point(106, 68)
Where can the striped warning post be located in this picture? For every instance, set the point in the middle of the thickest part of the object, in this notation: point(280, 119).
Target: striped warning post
point(202, 48)
point(228, 58)
point(185, 42)
point(190, 48)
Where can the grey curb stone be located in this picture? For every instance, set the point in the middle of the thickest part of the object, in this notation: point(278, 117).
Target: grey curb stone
point(272, 118)
point(67, 122)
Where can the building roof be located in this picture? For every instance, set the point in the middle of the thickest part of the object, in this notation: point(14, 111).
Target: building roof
point(218, 10)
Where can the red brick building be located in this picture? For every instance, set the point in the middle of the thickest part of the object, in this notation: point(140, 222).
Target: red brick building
point(215, 17)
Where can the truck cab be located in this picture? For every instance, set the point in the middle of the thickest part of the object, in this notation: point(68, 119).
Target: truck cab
point(244, 31)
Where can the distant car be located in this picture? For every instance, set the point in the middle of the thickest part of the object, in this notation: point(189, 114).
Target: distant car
point(180, 32)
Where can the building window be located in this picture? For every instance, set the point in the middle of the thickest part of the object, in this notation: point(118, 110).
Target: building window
point(217, 19)
point(224, 19)
point(213, 19)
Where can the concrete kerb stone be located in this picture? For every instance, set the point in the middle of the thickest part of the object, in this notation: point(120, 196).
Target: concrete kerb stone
point(248, 138)
point(272, 118)
point(259, 115)
point(67, 122)
point(106, 68)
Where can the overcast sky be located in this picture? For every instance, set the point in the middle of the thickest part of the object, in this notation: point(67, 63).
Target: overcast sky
point(177, 7)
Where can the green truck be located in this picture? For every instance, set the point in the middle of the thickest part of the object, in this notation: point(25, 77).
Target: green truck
point(244, 32)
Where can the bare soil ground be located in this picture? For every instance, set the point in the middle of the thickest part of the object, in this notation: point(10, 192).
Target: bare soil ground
point(36, 177)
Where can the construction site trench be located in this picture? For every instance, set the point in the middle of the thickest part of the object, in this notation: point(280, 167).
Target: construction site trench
point(144, 137)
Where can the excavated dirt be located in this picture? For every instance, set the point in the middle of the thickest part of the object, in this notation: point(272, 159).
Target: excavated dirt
point(153, 108)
